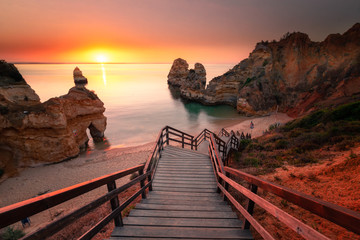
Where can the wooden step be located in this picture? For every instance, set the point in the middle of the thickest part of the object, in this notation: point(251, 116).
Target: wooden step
point(211, 182)
point(184, 198)
point(186, 172)
point(214, 202)
point(215, 208)
point(185, 165)
point(183, 190)
point(193, 179)
point(193, 186)
point(182, 222)
point(209, 175)
point(181, 214)
point(181, 232)
point(189, 169)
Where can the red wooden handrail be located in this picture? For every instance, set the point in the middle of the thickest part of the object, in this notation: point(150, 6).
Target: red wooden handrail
point(341, 216)
point(15, 212)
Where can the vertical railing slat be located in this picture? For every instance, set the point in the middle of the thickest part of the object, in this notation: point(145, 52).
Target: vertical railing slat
point(115, 204)
point(250, 206)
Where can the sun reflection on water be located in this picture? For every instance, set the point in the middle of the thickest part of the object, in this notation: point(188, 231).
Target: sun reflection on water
point(103, 73)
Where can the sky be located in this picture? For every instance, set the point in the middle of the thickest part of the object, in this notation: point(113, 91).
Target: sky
point(159, 31)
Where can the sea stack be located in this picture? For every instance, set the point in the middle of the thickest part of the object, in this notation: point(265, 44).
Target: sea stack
point(180, 75)
point(33, 133)
point(79, 80)
point(189, 83)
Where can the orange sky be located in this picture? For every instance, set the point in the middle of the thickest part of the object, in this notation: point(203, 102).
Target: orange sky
point(208, 31)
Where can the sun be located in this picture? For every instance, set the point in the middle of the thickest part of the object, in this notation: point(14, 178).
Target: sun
point(101, 58)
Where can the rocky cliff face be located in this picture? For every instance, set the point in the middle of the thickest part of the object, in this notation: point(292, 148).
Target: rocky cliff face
point(186, 79)
point(34, 133)
point(294, 74)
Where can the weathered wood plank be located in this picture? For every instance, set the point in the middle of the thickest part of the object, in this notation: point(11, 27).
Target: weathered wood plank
point(194, 186)
point(181, 232)
point(182, 222)
point(185, 172)
point(189, 190)
point(189, 169)
point(168, 193)
point(181, 214)
point(214, 208)
point(185, 168)
point(184, 164)
point(185, 198)
point(214, 202)
point(194, 180)
point(184, 150)
point(185, 175)
point(181, 156)
point(198, 182)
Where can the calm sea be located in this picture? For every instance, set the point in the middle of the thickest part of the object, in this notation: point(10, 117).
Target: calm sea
point(136, 96)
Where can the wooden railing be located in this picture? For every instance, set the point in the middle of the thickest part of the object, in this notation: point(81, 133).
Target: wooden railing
point(18, 211)
point(15, 212)
point(223, 132)
point(232, 144)
point(221, 144)
point(339, 215)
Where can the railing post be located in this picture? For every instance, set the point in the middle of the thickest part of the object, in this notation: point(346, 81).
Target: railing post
point(114, 204)
point(226, 186)
point(250, 206)
point(192, 142)
point(149, 179)
point(182, 140)
point(142, 184)
point(196, 144)
point(167, 135)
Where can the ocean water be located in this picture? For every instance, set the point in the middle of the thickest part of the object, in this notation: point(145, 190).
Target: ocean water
point(137, 99)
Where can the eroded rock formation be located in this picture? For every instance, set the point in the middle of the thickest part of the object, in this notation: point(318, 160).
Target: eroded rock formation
point(294, 74)
point(187, 80)
point(33, 133)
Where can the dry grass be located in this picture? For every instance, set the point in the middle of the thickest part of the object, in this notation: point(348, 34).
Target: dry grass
point(335, 180)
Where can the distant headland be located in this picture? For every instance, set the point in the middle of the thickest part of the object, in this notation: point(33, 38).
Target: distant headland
point(294, 75)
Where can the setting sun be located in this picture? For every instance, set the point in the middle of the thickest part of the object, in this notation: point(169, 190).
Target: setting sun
point(101, 58)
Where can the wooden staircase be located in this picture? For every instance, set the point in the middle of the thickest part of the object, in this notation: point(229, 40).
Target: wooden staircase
point(184, 203)
point(180, 197)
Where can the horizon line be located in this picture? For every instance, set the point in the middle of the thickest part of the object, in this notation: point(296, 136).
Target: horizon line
point(25, 62)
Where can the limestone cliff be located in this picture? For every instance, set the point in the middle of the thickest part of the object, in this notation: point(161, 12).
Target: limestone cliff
point(294, 74)
point(33, 133)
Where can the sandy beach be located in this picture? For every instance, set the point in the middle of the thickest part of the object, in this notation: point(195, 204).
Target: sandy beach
point(261, 124)
point(32, 182)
